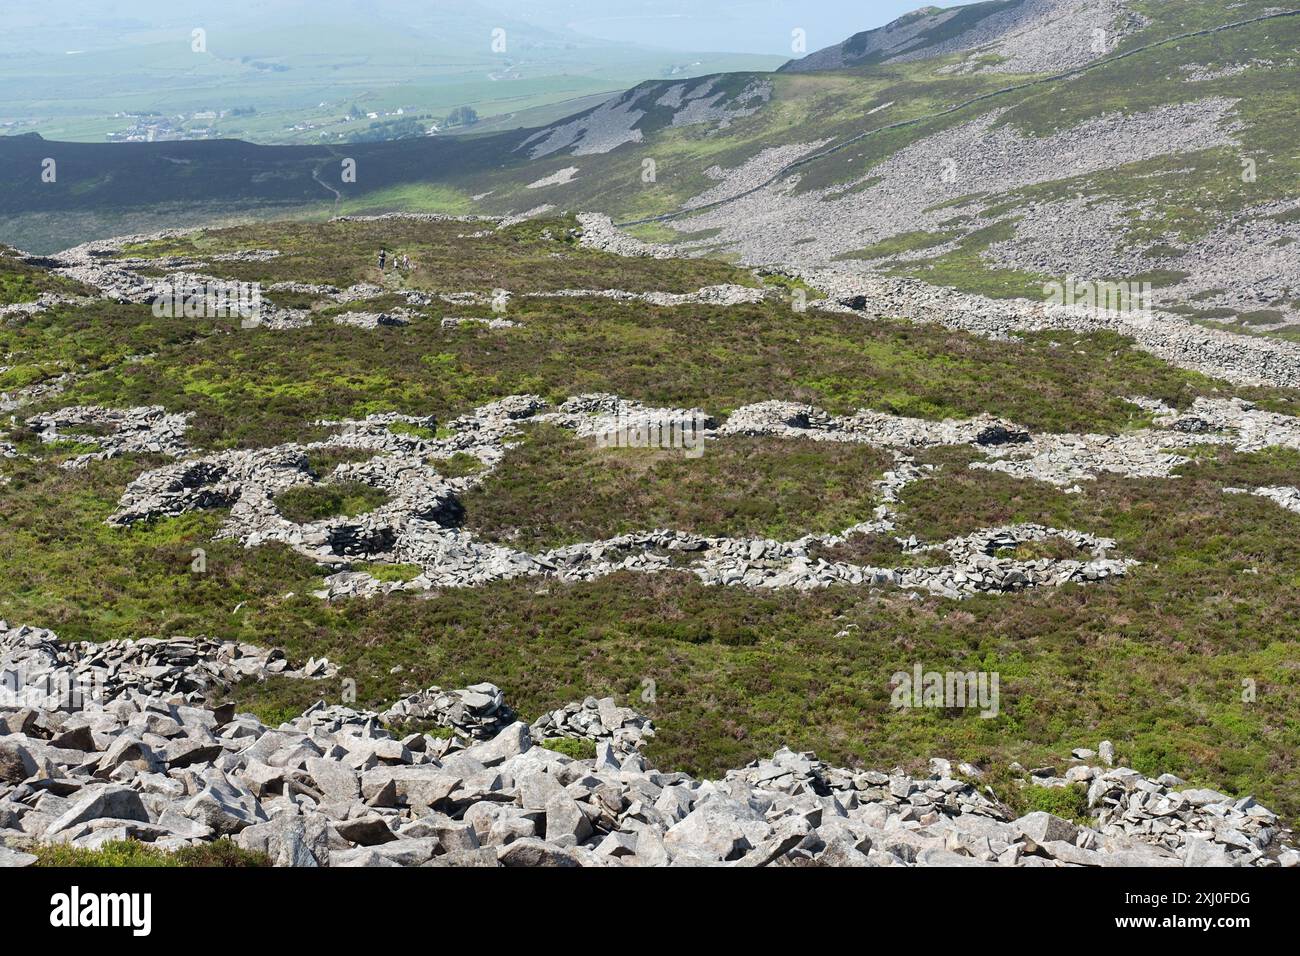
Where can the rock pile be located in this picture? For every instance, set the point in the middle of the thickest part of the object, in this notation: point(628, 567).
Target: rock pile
point(40, 670)
point(1204, 827)
point(373, 320)
point(324, 790)
point(599, 232)
point(1066, 460)
point(100, 265)
point(973, 170)
point(42, 303)
point(478, 711)
point(12, 401)
point(598, 720)
point(789, 420)
point(1033, 36)
point(617, 120)
point(145, 430)
point(727, 294)
point(248, 255)
point(419, 523)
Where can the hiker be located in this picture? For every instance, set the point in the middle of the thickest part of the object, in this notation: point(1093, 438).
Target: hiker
point(383, 258)
point(406, 263)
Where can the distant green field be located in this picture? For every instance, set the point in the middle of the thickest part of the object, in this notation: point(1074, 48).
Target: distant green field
point(304, 92)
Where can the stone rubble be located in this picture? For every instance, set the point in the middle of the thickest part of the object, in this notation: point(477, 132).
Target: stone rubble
point(42, 303)
point(373, 320)
point(1249, 263)
point(758, 168)
point(1201, 73)
point(248, 255)
point(1234, 251)
point(454, 322)
point(790, 420)
point(479, 711)
point(1067, 460)
point(1239, 359)
point(1033, 36)
point(599, 232)
point(188, 668)
point(974, 170)
point(117, 278)
point(598, 720)
point(560, 178)
point(333, 788)
point(143, 430)
point(12, 401)
point(727, 294)
point(1203, 827)
point(419, 523)
point(616, 121)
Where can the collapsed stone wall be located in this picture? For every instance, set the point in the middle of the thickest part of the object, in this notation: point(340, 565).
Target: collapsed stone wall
point(419, 524)
point(1239, 359)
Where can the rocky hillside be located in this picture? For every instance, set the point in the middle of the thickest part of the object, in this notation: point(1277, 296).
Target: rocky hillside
point(994, 148)
point(404, 479)
point(1000, 36)
point(149, 761)
point(782, 469)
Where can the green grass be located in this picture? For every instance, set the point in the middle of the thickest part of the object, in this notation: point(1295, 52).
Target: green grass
point(459, 465)
point(415, 431)
point(878, 551)
point(413, 197)
point(1154, 661)
point(250, 388)
point(389, 572)
point(554, 489)
point(334, 499)
point(1069, 803)
point(132, 853)
point(535, 256)
point(907, 242)
point(965, 268)
point(576, 747)
point(20, 282)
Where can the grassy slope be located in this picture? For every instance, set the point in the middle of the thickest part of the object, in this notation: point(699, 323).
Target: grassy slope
point(105, 191)
point(20, 282)
point(446, 257)
point(1188, 194)
point(555, 490)
point(1154, 662)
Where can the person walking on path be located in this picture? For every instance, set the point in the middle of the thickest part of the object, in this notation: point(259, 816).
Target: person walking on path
point(383, 258)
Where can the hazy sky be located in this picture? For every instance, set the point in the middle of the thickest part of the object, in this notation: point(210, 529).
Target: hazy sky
point(739, 26)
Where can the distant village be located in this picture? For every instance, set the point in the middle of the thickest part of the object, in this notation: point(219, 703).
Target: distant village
point(150, 127)
point(404, 122)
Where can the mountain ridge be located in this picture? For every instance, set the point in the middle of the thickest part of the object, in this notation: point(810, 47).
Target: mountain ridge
point(699, 162)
